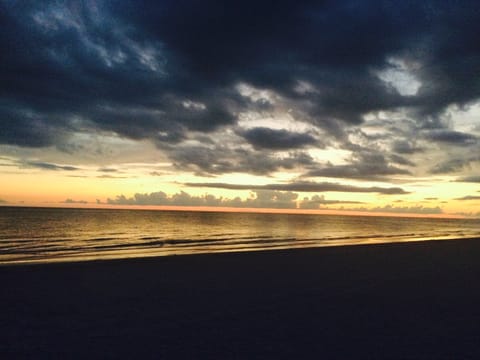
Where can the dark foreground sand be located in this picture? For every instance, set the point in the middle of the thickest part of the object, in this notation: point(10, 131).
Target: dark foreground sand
point(400, 301)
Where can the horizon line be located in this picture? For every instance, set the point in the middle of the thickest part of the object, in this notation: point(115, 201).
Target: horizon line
point(219, 209)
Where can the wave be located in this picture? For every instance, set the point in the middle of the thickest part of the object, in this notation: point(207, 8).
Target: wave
point(36, 238)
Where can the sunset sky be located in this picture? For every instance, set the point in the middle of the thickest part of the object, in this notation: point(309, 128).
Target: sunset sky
point(370, 106)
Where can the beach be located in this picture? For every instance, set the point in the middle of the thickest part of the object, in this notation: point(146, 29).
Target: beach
point(412, 300)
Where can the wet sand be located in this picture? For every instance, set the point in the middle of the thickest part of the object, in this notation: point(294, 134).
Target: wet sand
point(390, 301)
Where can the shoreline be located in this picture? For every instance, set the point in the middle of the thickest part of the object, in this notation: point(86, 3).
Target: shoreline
point(93, 259)
point(407, 300)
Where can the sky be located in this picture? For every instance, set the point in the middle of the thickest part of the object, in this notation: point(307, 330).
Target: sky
point(357, 106)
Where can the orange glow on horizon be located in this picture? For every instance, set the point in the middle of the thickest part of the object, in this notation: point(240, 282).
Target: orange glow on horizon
point(238, 210)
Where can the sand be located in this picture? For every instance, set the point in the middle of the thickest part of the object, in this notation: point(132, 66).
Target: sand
point(390, 301)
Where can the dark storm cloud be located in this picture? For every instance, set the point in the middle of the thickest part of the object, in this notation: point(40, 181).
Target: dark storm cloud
point(159, 70)
point(266, 138)
point(71, 61)
point(272, 48)
point(25, 128)
point(406, 147)
point(400, 160)
point(452, 137)
point(304, 186)
point(223, 159)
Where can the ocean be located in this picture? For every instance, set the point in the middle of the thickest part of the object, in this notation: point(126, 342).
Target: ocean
point(42, 235)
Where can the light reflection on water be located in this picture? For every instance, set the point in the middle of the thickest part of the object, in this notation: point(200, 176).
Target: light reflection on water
point(48, 234)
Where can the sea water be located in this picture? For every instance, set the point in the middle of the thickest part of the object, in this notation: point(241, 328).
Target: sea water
point(29, 235)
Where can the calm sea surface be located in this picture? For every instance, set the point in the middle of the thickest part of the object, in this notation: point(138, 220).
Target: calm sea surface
point(48, 234)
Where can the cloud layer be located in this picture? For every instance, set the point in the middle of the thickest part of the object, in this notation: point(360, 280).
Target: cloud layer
point(262, 199)
point(367, 91)
point(157, 70)
point(304, 186)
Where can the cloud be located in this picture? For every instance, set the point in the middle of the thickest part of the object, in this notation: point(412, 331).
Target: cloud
point(3, 201)
point(469, 197)
point(454, 164)
point(316, 201)
point(356, 171)
point(304, 186)
point(472, 179)
point(366, 165)
point(107, 54)
point(265, 138)
point(262, 199)
point(171, 74)
point(403, 209)
point(452, 137)
point(107, 170)
point(107, 176)
point(28, 128)
point(71, 201)
point(136, 70)
point(48, 166)
point(219, 159)
point(406, 147)
point(400, 160)
point(273, 199)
